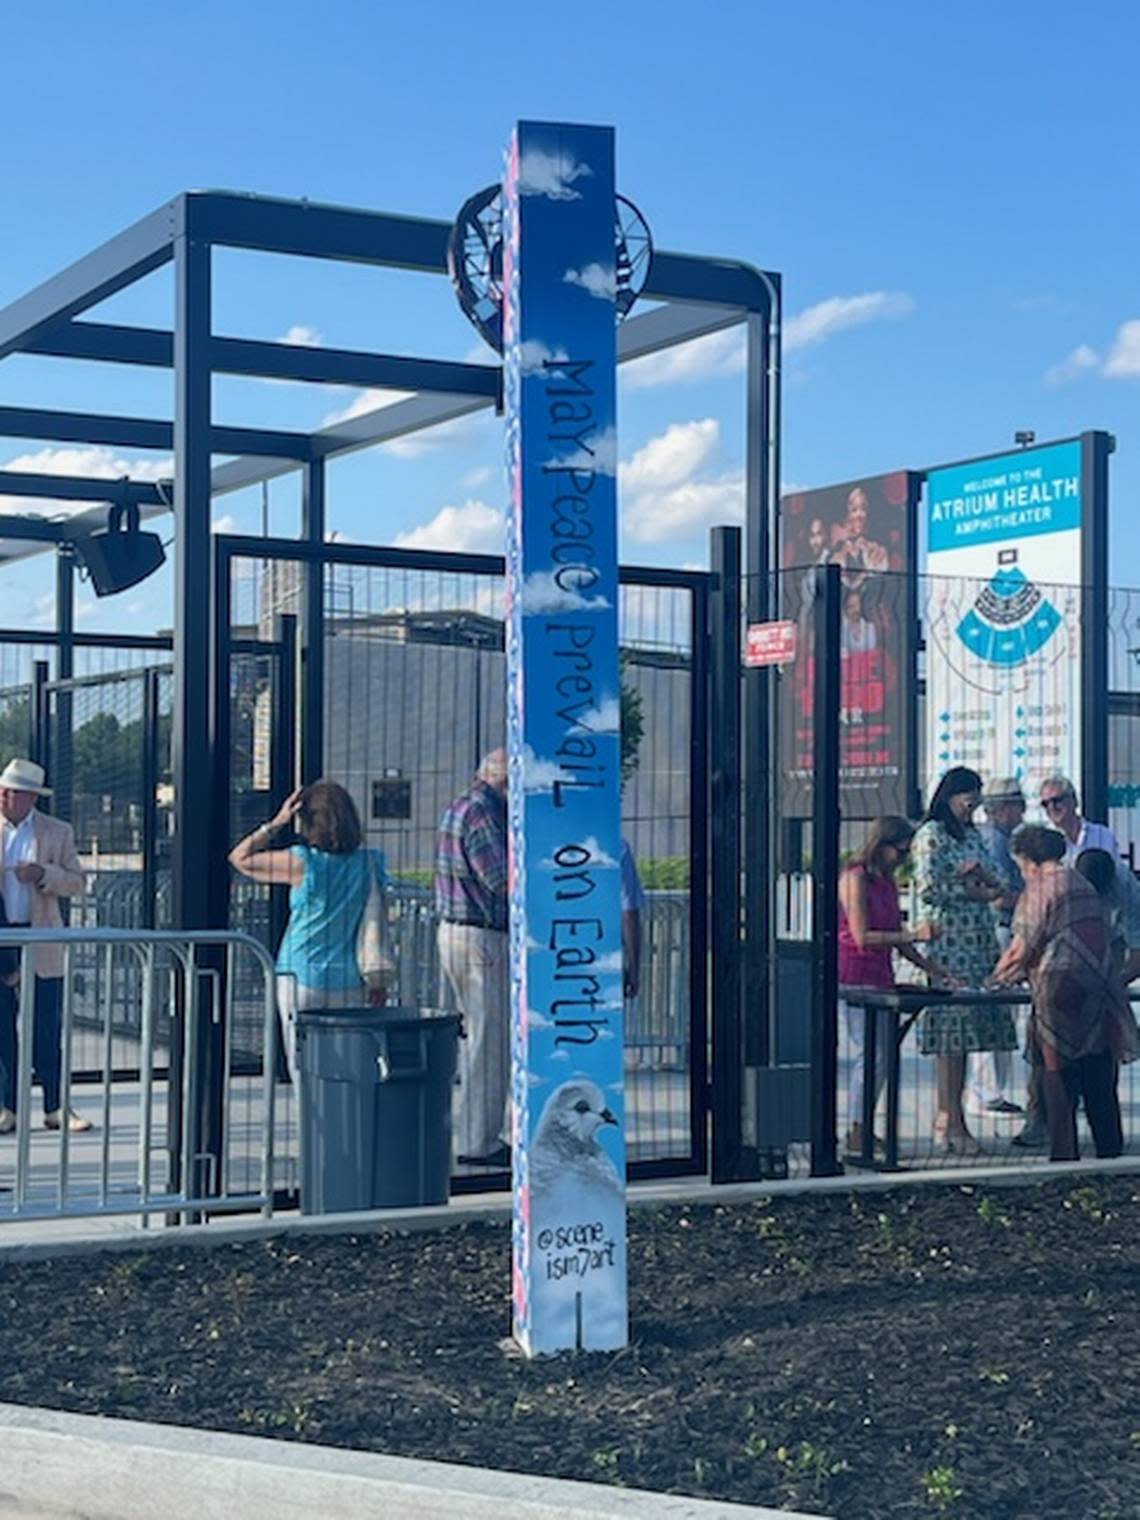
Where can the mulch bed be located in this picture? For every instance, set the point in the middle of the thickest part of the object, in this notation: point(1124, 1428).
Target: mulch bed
point(953, 1350)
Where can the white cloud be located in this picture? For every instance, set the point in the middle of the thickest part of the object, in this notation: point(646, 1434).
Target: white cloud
point(542, 595)
point(605, 718)
point(225, 523)
point(718, 353)
point(551, 174)
point(663, 495)
point(473, 528)
point(598, 454)
point(725, 353)
point(537, 1020)
point(364, 402)
point(685, 510)
point(599, 280)
point(43, 611)
point(1123, 363)
point(443, 435)
point(476, 477)
point(97, 462)
point(673, 456)
point(301, 336)
point(534, 356)
point(540, 775)
point(823, 320)
point(1079, 362)
point(595, 856)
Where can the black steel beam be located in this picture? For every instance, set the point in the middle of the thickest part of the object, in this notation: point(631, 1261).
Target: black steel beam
point(144, 433)
point(718, 282)
point(81, 488)
point(41, 530)
point(114, 344)
point(317, 231)
point(341, 366)
point(91, 279)
point(105, 342)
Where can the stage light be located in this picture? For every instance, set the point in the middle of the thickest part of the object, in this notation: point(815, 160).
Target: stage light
point(119, 555)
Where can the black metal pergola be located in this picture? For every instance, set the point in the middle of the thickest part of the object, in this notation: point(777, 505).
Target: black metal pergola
point(697, 296)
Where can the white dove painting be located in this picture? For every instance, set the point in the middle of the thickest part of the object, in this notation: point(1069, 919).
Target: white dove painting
point(577, 1210)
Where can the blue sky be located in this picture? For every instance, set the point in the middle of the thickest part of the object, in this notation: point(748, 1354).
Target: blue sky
point(950, 196)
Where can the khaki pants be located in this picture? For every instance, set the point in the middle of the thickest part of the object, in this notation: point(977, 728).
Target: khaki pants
point(477, 964)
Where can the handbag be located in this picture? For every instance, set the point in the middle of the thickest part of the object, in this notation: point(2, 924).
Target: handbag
point(373, 957)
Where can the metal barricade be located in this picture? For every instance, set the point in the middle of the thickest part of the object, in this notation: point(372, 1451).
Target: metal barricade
point(103, 1173)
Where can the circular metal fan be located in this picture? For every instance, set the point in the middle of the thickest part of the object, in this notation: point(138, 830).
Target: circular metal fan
point(475, 259)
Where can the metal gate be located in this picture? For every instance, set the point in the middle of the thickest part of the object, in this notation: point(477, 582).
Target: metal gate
point(385, 669)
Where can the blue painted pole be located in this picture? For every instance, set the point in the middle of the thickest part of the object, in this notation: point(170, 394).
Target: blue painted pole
point(569, 1253)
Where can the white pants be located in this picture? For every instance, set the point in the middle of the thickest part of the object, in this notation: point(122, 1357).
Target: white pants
point(477, 964)
point(293, 999)
point(856, 1032)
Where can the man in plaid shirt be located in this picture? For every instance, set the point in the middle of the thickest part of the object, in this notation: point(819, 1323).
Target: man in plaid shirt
point(471, 902)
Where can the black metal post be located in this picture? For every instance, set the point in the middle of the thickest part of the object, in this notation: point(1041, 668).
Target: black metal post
point(313, 624)
point(725, 629)
point(894, 1039)
point(825, 872)
point(762, 443)
point(195, 873)
point(41, 718)
point(150, 799)
point(63, 766)
point(1095, 450)
point(190, 758)
point(699, 880)
point(282, 746)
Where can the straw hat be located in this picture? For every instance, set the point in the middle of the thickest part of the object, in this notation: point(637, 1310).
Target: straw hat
point(1003, 789)
point(24, 776)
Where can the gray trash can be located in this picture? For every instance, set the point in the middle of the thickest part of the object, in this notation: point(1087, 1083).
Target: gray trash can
point(375, 1107)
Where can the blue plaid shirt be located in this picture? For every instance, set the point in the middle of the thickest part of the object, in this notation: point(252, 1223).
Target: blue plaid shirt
point(471, 860)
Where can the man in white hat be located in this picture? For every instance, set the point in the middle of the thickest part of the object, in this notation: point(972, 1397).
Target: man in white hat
point(40, 865)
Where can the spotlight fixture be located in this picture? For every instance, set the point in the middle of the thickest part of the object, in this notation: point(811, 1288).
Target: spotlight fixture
point(1024, 437)
point(119, 555)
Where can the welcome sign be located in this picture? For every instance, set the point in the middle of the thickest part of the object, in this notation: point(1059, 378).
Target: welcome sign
point(560, 356)
point(1003, 631)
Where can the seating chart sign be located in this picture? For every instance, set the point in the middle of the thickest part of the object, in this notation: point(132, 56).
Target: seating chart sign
point(1002, 615)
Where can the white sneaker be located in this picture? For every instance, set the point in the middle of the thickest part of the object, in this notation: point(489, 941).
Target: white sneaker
point(76, 1123)
point(7, 1121)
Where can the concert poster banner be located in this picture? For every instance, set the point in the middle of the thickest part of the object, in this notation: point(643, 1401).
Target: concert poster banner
point(867, 528)
point(1003, 617)
point(563, 723)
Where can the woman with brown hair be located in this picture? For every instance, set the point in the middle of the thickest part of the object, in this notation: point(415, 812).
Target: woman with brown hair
point(1081, 1024)
point(334, 952)
point(870, 931)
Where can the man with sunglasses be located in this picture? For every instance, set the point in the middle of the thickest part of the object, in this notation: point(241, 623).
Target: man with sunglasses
point(1061, 807)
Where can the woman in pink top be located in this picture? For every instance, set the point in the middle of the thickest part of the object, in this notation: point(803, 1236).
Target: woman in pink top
point(870, 931)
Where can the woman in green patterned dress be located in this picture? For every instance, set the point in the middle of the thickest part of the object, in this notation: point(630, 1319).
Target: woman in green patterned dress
point(956, 882)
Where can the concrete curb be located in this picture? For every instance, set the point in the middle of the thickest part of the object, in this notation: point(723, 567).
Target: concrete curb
point(82, 1467)
point(46, 1239)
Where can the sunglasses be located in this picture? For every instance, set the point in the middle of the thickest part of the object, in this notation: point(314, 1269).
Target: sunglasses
point(1049, 803)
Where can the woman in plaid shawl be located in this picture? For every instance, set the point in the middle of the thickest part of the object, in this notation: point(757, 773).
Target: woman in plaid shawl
point(1082, 1024)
